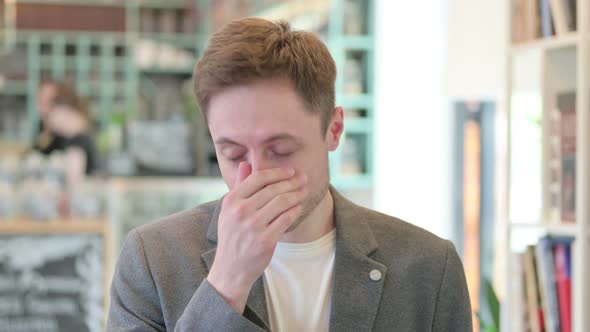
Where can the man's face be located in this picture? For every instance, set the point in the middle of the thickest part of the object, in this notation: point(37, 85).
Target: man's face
point(265, 124)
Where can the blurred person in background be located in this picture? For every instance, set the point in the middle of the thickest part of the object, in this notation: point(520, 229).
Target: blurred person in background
point(47, 141)
point(65, 125)
point(68, 119)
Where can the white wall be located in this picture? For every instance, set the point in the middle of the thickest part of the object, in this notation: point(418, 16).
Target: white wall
point(476, 48)
point(412, 122)
point(429, 53)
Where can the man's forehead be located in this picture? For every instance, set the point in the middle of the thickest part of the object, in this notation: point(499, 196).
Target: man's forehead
point(263, 139)
point(268, 94)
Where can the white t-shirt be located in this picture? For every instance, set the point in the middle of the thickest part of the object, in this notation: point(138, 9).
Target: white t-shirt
point(298, 285)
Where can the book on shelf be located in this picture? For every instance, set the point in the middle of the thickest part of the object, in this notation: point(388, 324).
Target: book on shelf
point(564, 15)
point(353, 76)
point(533, 300)
point(547, 284)
point(559, 16)
point(542, 282)
point(563, 276)
point(554, 166)
point(517, 24)
point(566, 103)
point(354, 13)
point(167, 20)
point(526, 20)
point(547, 27)
point(517, 307)
point(532, 19)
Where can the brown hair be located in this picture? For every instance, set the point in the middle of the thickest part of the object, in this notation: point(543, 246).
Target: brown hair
point(65, 95)
point(253, 48)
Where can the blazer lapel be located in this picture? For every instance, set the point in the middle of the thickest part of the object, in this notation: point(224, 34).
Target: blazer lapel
point(256, 299)
point(358, 279)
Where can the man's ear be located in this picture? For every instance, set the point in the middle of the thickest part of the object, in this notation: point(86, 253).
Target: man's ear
point(335, 128)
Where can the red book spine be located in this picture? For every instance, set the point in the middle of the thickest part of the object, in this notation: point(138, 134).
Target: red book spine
point(542, 322)
point(564, 285)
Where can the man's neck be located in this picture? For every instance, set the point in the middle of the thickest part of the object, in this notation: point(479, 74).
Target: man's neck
point(319, 223)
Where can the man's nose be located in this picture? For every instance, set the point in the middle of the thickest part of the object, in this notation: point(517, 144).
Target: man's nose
point(259, 162)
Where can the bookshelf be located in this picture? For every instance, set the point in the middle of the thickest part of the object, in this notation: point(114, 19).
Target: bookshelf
point(49, 227)
point(547, 43)
point(547, 77)
point(351, 41)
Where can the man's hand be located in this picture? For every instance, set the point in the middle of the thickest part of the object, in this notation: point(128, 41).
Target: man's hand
point(254, 216)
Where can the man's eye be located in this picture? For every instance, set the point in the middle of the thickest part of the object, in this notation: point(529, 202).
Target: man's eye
point(235, 159)
point(281, 154)
point(233, 154)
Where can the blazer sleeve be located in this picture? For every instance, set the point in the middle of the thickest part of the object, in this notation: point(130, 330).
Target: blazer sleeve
point(453, 308)
point(135, 302)
point(208, 311)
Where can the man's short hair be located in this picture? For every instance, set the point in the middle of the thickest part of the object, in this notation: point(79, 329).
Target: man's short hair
point(252, 49)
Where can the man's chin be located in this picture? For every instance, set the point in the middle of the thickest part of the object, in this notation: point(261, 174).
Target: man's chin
point(296, 223)
point(310, 206)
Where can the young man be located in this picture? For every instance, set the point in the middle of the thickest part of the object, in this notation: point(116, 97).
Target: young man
point(283, 250)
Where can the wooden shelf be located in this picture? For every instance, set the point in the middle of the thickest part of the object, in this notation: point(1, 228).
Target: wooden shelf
point(357, 42)
point(119, 38)
point(173, 184)
point(567, 229)
point(159, 4)
point(100, 3)
point(359, 101)
point(186, 40)
point(549, 43)
point(53, 227)
point(289, 10)
point(19, 88)
point(167, 70)
point(358, 125)
point(13, 147)
point(71, 62)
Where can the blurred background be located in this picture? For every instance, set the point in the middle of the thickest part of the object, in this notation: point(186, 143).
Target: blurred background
point(460, 117)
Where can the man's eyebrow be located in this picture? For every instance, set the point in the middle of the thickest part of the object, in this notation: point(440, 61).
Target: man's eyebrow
point(225, 140)
point(279, 137)
point(273, 138)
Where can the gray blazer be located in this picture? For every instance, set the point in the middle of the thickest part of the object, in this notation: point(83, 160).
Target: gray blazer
point(160, 279)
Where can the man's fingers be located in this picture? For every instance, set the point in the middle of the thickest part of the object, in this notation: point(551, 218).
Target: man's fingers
point(281, 224)
point(278, 205)
point(262, 197)
point(258, 180)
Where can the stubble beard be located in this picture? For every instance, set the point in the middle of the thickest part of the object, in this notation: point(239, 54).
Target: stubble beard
point(310, 204)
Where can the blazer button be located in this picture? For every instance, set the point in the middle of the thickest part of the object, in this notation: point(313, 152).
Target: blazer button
point(375, 275)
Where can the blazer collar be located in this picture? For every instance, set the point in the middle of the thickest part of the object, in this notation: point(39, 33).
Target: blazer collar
point(212, 230)
point(352, 230)
point(358, 279)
